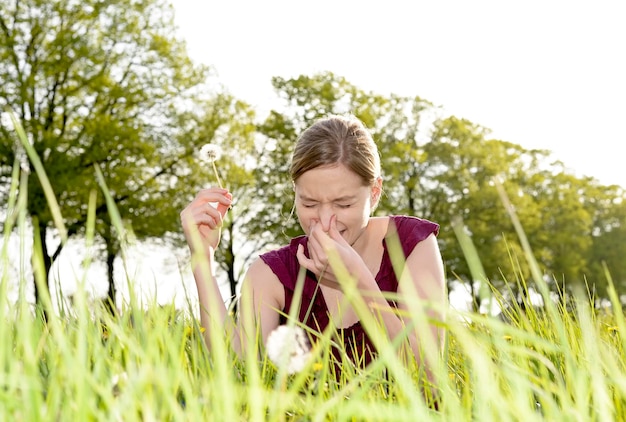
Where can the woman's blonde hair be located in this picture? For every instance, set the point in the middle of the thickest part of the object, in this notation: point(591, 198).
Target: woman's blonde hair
point(337, 140)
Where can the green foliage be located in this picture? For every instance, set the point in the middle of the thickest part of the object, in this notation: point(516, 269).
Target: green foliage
point(102, 84)
point(108, 84)
point(442, 168)
point(609, 231)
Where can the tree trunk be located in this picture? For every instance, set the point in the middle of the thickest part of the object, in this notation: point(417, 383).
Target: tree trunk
point(110, 302)
point(227, 259)
point(39, 239)
point(476, 300)
point(411, 203)
point(232, 281)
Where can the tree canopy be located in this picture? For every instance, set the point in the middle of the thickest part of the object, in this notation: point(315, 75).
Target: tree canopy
point(443, 168)
point(102, 83)
point(108, 84)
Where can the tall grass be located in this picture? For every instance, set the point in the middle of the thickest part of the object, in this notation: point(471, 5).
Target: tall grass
point(562, 361)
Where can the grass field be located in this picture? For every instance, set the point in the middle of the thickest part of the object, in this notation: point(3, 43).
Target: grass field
point(151, 364)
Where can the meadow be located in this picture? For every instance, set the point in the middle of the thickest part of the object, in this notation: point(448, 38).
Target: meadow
point(563, 361)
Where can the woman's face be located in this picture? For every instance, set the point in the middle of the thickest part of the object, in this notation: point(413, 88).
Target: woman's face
point(334, 190)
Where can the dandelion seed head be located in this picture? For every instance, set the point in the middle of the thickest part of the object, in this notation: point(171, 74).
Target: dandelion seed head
point(288, 347)
point(210, 153)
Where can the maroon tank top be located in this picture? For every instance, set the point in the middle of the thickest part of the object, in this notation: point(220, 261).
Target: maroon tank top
point(284, 263)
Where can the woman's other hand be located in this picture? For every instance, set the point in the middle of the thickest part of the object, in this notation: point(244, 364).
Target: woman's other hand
point(204, 217)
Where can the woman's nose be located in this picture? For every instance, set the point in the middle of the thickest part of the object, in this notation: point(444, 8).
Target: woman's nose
point(325, 214)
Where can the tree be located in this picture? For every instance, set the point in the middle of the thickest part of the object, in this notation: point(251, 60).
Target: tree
point(96, 83)
point(564, 236)
point(606, 248)
point(462, 165)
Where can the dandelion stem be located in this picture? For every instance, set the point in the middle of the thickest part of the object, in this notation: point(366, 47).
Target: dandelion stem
point(217, 176)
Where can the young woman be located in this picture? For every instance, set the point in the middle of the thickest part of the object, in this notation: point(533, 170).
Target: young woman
point(337, 183)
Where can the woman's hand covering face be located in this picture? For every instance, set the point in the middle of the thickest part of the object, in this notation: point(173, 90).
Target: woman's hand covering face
point(320, 245)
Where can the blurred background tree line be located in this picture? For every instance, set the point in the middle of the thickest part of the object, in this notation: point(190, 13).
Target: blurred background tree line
point(107, 83)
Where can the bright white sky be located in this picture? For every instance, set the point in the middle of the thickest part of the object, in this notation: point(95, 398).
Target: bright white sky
point(542, 74)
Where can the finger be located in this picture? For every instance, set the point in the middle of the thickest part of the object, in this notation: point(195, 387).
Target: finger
point(224, 203)
point(197, 212)
point(324, 241)
point(211, 191)
point(316, 250)
point(212, 199)
point(317, 262)
point(303, 260)
point(313, 264)
point(215, 195)
point(204, 214)
point(212, 221)
point(317, 234)
point(333, 232)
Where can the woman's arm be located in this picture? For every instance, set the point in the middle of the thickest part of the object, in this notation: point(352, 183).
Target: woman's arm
point(423, 279)
point(260, 296)
point(202, 221)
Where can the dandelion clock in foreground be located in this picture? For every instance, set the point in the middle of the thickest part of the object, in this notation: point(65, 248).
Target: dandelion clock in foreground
point(288, 348)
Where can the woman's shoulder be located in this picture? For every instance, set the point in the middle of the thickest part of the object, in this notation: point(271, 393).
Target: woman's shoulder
point(409, 230)
point(283, 253)
point(282, 261)
point(405, 223)
point(263, 282)
point(411, 223)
